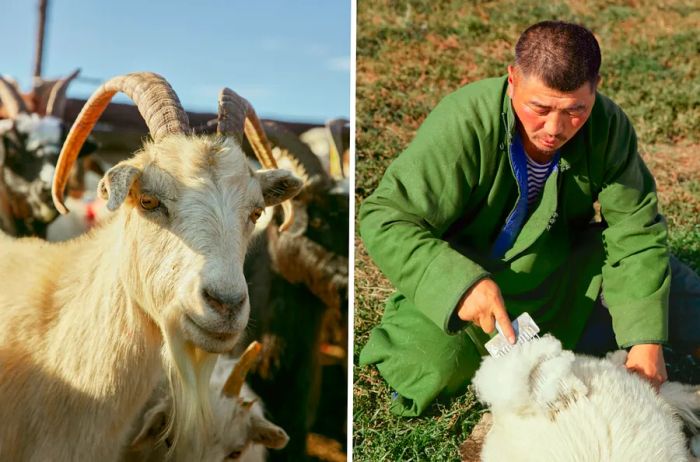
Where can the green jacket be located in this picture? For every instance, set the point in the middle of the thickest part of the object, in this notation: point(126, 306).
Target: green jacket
point(431, 223)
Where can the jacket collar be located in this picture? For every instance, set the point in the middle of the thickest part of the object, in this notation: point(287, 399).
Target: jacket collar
point(507, 115)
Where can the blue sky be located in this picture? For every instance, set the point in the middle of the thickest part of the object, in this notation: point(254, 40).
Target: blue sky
point(291, 59)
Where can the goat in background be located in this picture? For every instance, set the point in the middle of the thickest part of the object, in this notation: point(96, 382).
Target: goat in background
point(240, 431)
point(299, 294)
point(31, 134)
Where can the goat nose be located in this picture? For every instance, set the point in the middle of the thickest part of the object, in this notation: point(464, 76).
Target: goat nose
point(224, 304)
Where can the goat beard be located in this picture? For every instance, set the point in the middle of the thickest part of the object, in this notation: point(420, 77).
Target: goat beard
point(189, 370)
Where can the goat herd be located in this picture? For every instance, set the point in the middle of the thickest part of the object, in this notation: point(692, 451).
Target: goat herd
point(132, 341)
point(120, 343)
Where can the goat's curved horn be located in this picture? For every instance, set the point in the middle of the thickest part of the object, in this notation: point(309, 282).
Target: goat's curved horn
point(232, 113)
point(57, 98)
point(294, 150)
point(334, 130)
point(155, 100)
point(11, 99)
point(234, 383)
point(236, 117)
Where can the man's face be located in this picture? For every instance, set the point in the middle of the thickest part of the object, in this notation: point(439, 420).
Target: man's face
point(548, 118)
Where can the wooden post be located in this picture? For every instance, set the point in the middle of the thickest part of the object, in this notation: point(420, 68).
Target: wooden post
point(39, 55)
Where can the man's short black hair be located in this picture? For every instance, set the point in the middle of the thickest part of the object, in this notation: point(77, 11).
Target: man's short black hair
point(563, 55)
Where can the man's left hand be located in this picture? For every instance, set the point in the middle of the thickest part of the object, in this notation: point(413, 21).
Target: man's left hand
point(647, 360)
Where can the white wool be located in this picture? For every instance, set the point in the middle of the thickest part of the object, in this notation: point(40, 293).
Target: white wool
point(42, 131)
point(549, 404)
point(5, 125)
point(547, 357)
point(46, 173)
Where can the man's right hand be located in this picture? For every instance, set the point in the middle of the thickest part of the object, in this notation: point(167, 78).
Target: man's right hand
point(483, 305)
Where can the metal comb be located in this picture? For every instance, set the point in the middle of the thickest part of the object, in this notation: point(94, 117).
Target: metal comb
point(525, 330)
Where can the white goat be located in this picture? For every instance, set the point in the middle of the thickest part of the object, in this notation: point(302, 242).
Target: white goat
point(549, 404)
point(240, 430)
point(82, 323)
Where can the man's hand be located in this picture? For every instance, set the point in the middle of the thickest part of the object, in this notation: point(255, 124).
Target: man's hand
point(483, 305)
point(647, 360)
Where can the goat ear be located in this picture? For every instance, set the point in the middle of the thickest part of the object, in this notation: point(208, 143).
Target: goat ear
point(266, 433)
point(154, 423)
point(278, 185)
point(114, 187)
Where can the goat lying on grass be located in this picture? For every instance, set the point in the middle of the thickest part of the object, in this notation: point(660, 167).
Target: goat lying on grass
point(83, 323)
point(240, 431)
point(549, 404)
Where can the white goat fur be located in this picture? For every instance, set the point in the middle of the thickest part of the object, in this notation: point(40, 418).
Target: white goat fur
point(239, 427)
point(549, 404)
point(82, 322)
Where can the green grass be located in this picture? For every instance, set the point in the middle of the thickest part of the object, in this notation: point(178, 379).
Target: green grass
point(412, 53)
point(415, 439)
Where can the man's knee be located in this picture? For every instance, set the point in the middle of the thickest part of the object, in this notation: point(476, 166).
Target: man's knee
point(684, 308)
point(420, 361)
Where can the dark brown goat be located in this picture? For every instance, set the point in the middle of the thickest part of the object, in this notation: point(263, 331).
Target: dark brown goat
point(299, 294)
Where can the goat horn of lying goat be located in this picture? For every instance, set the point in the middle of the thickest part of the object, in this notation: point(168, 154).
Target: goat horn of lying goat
point(237, 116)
point(11, 99)
point(156, 101)
point(57, 98)
point(234, 383)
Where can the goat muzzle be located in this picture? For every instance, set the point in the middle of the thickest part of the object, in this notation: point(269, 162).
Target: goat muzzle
point(224, 305)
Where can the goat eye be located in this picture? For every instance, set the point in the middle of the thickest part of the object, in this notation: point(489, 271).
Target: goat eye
point(149, 202)
point(255, 215)
point(234, 455)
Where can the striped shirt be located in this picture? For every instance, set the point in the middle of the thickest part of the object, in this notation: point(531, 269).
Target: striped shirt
point(536, 176)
